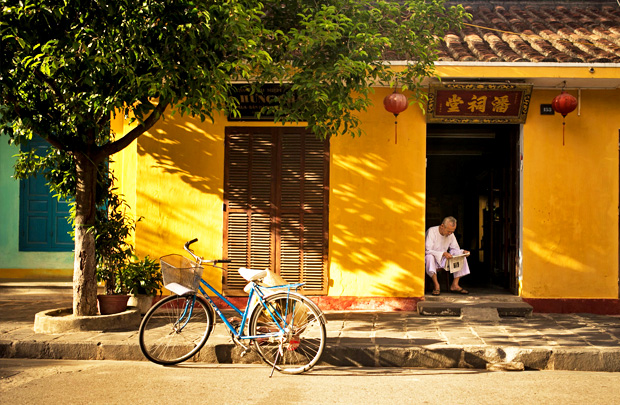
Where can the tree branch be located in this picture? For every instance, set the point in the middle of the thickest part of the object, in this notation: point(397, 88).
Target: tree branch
point(51, 139)
point(51, 85)
point(120, 144)
point(55, 142)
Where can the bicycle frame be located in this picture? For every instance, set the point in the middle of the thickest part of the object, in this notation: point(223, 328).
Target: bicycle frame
point(254, 291)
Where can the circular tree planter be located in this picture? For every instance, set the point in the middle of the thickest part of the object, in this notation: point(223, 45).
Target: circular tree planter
point(62, 320)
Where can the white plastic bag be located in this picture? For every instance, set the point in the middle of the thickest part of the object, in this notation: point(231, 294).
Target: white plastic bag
point(270, 280)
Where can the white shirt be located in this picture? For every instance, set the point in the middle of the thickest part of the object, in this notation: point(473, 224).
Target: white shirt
point(437, 244)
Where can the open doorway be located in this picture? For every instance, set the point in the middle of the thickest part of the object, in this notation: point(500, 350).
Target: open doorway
point(472, 173)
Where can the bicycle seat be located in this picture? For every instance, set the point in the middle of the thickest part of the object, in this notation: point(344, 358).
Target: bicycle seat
point(251, 274)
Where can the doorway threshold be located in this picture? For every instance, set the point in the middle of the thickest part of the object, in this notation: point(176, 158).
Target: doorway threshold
point(450, 304)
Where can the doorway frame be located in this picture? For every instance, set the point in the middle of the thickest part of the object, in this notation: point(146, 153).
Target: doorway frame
point(514, 286)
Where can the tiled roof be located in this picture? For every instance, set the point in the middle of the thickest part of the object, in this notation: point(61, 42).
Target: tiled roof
point(536, 31)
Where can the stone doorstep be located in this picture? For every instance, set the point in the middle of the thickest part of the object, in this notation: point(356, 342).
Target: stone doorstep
point(446, 308)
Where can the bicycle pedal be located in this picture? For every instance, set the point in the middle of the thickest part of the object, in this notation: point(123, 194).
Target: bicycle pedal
point(246, 349)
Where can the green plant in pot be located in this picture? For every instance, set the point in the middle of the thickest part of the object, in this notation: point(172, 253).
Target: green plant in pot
point(113, 253)
point(144, 281)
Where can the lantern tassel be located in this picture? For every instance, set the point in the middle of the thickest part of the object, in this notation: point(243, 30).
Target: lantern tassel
point(563, 131)
point(395, 129)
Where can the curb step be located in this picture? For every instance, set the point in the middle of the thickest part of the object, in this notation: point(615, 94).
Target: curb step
point(57, 288)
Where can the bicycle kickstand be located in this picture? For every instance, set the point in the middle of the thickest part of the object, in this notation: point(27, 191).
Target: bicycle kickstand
point(280, 352)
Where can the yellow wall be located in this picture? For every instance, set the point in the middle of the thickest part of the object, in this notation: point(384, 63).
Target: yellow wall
point(376, 201)
point(180, 174)
point(570, 199)
point(570, 193)
point(124, 165)
point(377, 206)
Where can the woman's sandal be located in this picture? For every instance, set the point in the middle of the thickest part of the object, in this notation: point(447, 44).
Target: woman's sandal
point(460, 291)
point(436, 292)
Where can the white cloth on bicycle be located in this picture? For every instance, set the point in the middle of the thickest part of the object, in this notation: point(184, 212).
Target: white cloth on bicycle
point(270, 279)
point(178, 289)
point(252, 274)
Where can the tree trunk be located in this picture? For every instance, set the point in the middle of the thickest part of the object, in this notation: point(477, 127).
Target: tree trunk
point(84, 277)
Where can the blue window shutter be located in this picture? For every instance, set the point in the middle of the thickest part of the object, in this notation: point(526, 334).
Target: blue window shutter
point(43, 225)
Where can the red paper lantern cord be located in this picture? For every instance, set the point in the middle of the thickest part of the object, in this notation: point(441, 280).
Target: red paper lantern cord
point(564, 104)
point(395, 103)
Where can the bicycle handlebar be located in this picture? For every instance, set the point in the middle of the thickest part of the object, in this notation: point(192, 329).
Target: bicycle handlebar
point(186, 246)
point(200, 259)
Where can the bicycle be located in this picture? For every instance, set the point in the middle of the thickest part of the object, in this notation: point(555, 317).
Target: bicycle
point(286, 328)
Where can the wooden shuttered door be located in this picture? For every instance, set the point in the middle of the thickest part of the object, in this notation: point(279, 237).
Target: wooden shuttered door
point(276, 199)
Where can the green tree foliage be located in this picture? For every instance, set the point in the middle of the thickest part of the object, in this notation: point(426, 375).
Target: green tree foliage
point(68, 66)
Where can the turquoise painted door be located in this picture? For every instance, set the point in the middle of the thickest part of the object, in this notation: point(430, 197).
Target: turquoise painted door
point(43, 225)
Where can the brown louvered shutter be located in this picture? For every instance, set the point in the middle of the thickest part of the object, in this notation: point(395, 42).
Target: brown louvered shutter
point(276, 197)
point(248, 201)
point(302, 206)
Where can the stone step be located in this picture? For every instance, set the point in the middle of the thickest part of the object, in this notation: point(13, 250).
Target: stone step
point(62, 287)
point(455, 308)
point(39, 287)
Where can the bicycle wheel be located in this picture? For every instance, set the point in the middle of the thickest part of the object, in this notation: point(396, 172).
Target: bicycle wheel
point(169, 335)
point(302, 344)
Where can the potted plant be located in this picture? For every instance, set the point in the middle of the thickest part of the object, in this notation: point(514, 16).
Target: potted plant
point(113, 253)
point(144, 282)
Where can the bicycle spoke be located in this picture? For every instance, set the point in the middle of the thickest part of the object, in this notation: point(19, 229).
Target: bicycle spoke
point(170, 334)
point(301, 346)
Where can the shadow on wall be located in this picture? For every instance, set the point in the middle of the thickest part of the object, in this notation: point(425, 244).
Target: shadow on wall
point(377, 216)
point(177, 153)
point(188, 151)
point(570, 207)
point(376, 207)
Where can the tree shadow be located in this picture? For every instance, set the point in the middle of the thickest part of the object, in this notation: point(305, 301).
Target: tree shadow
point(377, 210)
point(186, 149)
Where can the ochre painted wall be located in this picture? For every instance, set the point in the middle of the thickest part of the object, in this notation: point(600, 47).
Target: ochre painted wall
point(377, 206)
point(124, 165)
point(570, 199)
point(173, 178)
point(179, 191)
point(376, 202)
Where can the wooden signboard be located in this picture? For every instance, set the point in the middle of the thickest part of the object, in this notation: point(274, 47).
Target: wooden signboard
point(478, 103)
point(250, 104)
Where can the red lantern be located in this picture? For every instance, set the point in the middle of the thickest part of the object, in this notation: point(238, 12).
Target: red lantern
point(564, 104)
point(395, 103)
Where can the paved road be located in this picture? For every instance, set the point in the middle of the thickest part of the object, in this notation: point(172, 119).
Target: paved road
point(115, 382)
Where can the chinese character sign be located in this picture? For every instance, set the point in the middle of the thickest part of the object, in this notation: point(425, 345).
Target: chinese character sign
point(478, 103)
point(454, 103)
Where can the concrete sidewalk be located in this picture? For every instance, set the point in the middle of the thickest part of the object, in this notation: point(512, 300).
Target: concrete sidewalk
point(384, 339)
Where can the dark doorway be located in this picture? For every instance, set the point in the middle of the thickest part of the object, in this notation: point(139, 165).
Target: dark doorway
point(472, 173)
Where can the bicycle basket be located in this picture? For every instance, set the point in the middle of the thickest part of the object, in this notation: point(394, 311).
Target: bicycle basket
point(180, 270)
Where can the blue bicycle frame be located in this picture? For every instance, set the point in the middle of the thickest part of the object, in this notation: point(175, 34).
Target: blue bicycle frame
point(244, 314)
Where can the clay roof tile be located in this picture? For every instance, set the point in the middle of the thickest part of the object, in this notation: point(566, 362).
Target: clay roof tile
point(542, 31)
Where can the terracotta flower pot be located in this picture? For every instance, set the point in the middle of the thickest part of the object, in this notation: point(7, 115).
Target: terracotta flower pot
point(112, 304)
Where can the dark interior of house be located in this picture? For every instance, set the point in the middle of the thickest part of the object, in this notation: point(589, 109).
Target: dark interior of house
point(473, 174)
